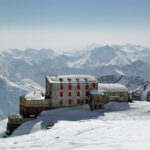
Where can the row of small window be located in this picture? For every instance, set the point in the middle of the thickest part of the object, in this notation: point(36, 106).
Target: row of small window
point(78, 101)
point(44, 102)
point(96, 98)
point(117, 94)
point(70, 94)
point(78, 86)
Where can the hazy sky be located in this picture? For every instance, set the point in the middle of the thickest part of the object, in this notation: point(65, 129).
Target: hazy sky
point(69, 24)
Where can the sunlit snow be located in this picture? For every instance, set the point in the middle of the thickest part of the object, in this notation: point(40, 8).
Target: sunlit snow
point(120, 126)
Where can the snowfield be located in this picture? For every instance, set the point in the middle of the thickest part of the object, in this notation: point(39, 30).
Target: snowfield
point(120, 126)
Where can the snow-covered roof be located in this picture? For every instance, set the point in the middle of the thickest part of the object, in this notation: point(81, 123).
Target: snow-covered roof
point(34, 95)
point(96, 92)
point(112, 87)
point(72, 78)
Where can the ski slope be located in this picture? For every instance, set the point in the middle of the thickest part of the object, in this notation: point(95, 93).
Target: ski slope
point(120, 126)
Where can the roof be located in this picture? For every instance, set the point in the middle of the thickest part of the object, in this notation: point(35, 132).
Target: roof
point(96, 92)
point(112, 87)
point(71, 78)
point(34, 95)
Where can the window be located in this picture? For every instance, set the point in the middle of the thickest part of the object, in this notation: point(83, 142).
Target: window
point(100, 106)
point(100, 98)
point(69, 101)
point(61, 102)
point(46, 108)
point(69, 94)
point(46, 82)
point(94, 98)
point(86, 86)
point(112, 94)
point(78, 86)
point(61, 94)
point(95, 106)
point(78, 93)
point(70, 87)
point(86, 101)
point(94, 85)
point(86, 93)
point(61, 86)
point(121, 94)
point(37, 110)
point(78, 101)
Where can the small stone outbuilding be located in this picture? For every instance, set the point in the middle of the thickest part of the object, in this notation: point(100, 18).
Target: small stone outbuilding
point(97, 99)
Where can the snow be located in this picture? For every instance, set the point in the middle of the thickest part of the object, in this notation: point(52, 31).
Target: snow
point(24, 84)
point(34, 95)
point(128, 50)
point(3, 125)
point(72, 77)
point(79, 62)
point(96, 92)
point(120, 126)
point(120, 72)
point(112, 87)
point(29, 85)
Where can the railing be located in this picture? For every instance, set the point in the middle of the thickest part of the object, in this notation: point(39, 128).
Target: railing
point(41, 102)
point(15, 119)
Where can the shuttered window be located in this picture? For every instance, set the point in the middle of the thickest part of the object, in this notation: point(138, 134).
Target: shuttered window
point(78, 86)
point(70, 87)
point(61, 87)
point(95, 106)
point(86, 86)
point(78, 93)
point(69, 101)
point(86, 93)
point(69, 94)
point(86, 101)
point(46, 108)
point(46, 83)
point(94, 85)
point(100, 106)
point(78, 101)
point(37, 110)
point(61, 94)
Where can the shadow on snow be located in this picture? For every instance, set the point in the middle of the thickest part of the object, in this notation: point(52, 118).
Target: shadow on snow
point(79, 113)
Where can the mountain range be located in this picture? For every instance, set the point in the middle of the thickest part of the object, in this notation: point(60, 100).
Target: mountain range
point(130, 60)
point(24, 71)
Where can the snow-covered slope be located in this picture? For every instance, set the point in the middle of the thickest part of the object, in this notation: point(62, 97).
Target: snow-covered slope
point(144, 90)
point(10, 92)
point(135, 52)
point(3, 126)
point(120, 126)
